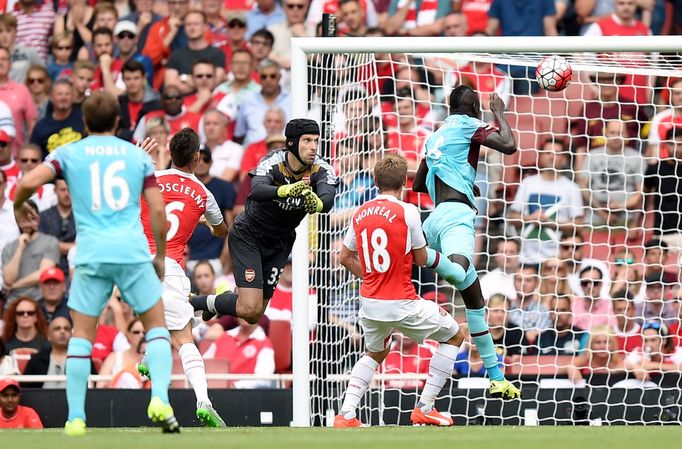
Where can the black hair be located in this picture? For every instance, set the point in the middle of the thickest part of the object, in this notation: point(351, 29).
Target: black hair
point(132, 65)
point(591, 268)
point(674, 133)
point(462, 98)
point(264, 33)
point(183, 146)
point(102, 30)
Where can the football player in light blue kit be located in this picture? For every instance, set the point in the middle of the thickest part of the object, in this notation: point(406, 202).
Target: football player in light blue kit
point(106, 177)
point(447, 174)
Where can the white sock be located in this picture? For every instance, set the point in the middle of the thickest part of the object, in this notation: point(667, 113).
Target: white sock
point(440, 368)
point(360, 377)
point(193, 365)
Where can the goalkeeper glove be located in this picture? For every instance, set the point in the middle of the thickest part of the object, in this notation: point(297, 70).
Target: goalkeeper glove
point(292, 190)
point(312, 203)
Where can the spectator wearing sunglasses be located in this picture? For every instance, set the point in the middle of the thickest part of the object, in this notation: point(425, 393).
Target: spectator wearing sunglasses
point(181, 61)
point(265, 14)
point(591, 309)
point(28, 158)
point(25, 326)
point(204, 79)
point(51, 359)
point(294, 26)
point(173, 111)
point(127, 48)
point(24, 259)
point(249, 126)
point(236, 36)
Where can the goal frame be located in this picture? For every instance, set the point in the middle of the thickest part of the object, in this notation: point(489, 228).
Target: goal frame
point(302, 47)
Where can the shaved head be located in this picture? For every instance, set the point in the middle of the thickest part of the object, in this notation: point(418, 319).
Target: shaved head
point(464, 100)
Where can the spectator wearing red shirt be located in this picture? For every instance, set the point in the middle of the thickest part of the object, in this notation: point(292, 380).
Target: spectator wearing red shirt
point(19, 100)
point(662, 122)
point(624, 324)
point(623, 23)
point(137, 101)
point(353, 17)
point(13, 415)
point(166, 34)
point(249, 351)
point(236, 36)
point(274, 121)
point(173, 111)
point(109, 68)
point(476, 13)
point(216, 23)
point(407, 357)
point(204, 79)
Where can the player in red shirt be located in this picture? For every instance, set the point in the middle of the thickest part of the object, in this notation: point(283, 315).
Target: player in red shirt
point(383, 240)
point(13, 415)
point(188, 202)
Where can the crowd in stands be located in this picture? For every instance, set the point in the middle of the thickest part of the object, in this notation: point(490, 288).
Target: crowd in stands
point(580, 226)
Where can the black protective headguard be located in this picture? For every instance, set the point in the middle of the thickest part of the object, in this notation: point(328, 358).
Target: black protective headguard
point(295, 129)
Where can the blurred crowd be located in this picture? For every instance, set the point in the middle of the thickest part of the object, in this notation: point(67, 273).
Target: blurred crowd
point(602, 172)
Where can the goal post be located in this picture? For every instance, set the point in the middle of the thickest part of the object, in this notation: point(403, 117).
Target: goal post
point(366, 111)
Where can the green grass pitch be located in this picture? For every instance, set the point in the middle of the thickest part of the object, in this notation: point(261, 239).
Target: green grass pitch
point(508, 437)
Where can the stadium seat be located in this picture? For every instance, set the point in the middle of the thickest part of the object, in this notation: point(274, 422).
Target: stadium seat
point(280, 336)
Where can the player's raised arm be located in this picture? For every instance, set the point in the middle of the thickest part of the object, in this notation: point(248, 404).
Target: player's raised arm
point(502, 140)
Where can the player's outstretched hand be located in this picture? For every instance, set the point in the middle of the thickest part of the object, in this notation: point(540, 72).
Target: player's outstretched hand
point(159, 266)
point(293, 190)
point(495, 103)
point(148, 144)
point(312, 203)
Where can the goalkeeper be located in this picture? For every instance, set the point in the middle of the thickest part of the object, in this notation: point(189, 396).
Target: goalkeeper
point(447, 174)
point(287, 185)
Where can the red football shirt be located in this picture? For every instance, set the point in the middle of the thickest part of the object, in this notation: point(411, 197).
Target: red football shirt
point(384, 231)
point(25, 418)
point(187, 199)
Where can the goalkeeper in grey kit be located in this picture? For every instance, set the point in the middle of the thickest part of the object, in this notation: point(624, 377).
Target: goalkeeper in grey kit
point(286, 186)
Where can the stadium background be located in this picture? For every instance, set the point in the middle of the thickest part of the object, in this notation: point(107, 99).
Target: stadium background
point(371, 104)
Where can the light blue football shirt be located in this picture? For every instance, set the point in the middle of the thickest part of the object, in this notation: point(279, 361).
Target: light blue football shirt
point(106, 176)
point(452, 154)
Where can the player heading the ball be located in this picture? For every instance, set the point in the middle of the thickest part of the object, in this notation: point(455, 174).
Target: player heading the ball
point(447, 174)
point(287, 185)
point(107, 177)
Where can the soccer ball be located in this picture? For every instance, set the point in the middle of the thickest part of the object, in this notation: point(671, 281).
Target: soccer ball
point(554, 73)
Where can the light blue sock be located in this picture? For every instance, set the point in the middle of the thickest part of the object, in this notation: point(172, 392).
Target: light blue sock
point(159, 361)
point(484, 342)
point(452, 272)
point(78, 365)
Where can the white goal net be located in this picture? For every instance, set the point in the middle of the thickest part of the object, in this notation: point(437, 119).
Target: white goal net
point(578, 233)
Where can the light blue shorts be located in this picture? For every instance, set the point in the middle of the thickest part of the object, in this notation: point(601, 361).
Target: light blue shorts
point(93, 283)
point(450, 230)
